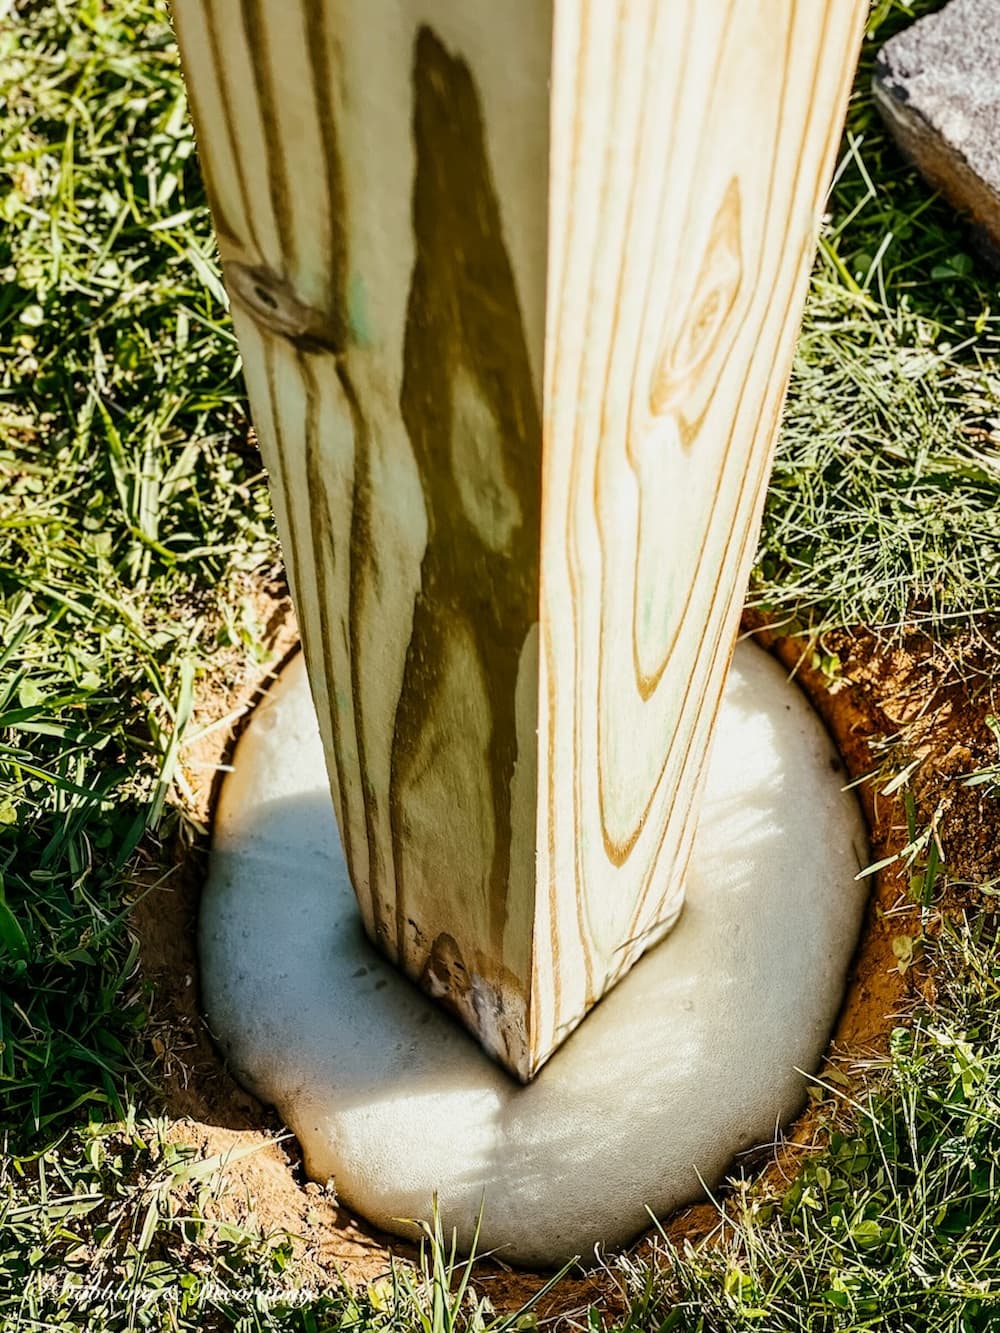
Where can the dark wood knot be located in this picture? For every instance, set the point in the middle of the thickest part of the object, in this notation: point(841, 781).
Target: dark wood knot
point(270, 302)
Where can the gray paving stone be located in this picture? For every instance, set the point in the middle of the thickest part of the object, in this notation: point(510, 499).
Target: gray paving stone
point(937, 85)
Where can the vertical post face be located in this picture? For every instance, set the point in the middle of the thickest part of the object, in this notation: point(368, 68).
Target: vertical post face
point(692, 144)
point(515, 364)
point(378, 178)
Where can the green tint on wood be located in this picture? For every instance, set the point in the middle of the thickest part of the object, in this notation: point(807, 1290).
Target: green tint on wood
point(516, 289)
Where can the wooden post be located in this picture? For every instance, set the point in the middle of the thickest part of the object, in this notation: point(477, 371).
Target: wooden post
point(516, 287)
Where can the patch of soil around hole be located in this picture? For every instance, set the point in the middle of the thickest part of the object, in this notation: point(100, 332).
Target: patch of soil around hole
point(888, 703)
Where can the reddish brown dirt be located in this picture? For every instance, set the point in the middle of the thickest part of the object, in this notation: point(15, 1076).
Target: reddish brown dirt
point(888, 704)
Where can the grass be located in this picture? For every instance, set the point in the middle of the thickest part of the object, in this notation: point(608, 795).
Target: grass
point(882, 507)
point(133, 516)
point(130, 501)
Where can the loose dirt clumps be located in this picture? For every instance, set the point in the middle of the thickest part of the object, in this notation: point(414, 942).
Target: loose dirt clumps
point(909, 717)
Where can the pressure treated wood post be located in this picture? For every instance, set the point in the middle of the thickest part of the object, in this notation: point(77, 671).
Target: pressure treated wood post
point(516, 287)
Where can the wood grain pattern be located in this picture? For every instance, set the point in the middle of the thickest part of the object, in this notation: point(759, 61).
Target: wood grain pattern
point(516, 358)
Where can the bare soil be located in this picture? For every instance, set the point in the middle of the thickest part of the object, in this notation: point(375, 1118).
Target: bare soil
point(888, 703)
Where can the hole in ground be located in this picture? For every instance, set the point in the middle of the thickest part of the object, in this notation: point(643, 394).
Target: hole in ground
point(922, 695)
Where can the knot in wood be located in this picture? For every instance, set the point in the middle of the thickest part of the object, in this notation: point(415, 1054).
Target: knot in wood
point(270, 302)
